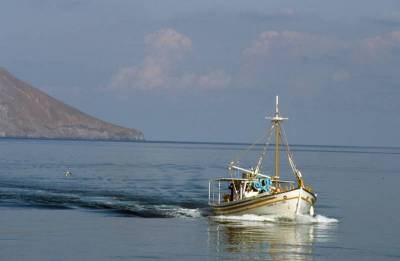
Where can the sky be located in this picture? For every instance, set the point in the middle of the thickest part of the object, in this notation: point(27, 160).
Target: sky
point(209, 70)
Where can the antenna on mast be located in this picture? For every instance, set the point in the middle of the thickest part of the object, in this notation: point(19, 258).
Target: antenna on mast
point(276, 117)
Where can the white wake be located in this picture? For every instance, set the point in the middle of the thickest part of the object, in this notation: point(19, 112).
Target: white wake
point(298, 219)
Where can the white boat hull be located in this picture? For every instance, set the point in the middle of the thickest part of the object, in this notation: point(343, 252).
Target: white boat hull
point(290, 203)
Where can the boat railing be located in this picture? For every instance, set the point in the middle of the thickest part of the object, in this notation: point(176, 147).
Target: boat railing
point(214, 191)
point(309, 188)
point(214, 194)
point(230, 189)
point(218, 190)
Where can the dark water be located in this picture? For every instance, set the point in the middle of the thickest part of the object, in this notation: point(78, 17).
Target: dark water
point(148, 201)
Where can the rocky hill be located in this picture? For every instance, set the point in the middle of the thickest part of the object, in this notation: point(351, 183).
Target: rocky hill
point(26, 112)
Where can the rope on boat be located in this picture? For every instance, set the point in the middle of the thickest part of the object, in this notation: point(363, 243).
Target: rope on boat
point(243, 153)
point(295, 170)
point(265, 151)
point(289, 153)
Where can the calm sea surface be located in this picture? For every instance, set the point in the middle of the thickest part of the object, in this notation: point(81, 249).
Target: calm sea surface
point(148, 201)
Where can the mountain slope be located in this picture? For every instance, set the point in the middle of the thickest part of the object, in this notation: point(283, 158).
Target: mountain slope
point(27, 112)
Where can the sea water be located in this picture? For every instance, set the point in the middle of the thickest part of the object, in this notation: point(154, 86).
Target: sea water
point(148, 201)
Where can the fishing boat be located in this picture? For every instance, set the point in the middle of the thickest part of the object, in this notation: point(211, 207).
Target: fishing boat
point(249, 191)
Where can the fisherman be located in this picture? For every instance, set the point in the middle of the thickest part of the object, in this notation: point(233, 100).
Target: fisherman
point(232, 188)
point(248, 187)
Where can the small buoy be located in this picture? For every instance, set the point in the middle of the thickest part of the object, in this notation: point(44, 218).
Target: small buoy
point(68, 173)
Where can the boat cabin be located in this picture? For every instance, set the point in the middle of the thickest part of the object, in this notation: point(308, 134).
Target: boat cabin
point(231, 189)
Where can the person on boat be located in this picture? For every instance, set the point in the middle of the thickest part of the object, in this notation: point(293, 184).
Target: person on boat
point(248, 187)
point(232, 188)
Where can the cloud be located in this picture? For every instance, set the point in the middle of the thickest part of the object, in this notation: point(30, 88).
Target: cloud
point(148, 77)
point(291, 44)
point(389, 19)
point(212, 80)
point(380, 46)
point(292, 60)
point(283, 15)
point(168, 40)
point(283, 46)
point(273, 58)
point(341, 76)
point(161, 68)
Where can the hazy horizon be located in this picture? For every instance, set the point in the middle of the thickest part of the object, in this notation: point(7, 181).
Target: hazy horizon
point(210, 70)
point(209, 142)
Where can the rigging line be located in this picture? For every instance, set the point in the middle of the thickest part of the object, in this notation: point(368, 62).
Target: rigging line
point(264, 153)
point(296, 172)
point(247, 150)
point(286, 149)
point(287, 144)
point(242, 153)
point(290, 155)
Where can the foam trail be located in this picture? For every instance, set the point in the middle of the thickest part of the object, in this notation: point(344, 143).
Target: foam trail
point(174, 211)
point(142, 207)
point(180, 212)
point(299, 219)
point(317, 219)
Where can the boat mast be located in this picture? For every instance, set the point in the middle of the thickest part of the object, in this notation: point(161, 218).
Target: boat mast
point(276, 122)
